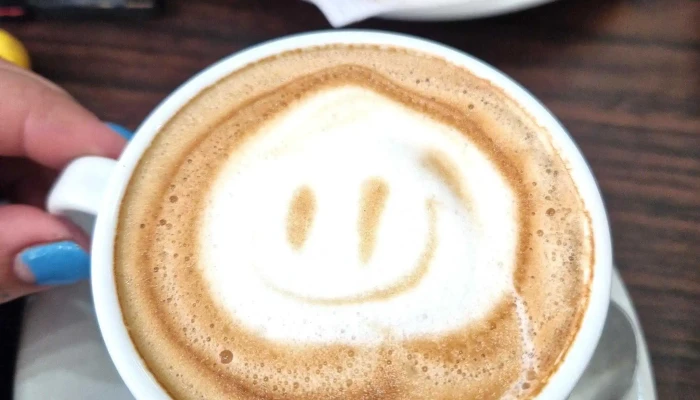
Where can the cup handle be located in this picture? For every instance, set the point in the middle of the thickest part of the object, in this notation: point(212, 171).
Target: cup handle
point(79, 190)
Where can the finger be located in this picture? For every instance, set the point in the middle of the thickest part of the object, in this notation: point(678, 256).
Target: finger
point(39, 251)
point(26, 182)
point(4, 65)
point(46, 125)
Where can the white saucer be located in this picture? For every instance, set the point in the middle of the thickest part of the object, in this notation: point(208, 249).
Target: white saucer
point(468, 9)
point(62, 357)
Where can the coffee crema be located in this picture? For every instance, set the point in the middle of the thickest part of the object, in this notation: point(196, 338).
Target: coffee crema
point(352, 222)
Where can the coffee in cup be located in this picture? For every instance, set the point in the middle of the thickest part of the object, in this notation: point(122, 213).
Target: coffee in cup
point(352, 221)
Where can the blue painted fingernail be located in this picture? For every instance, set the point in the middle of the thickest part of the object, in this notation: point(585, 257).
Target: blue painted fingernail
point(58, 263)
point(125, 133)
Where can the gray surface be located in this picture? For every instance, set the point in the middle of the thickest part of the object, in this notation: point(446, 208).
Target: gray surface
point(610, 374)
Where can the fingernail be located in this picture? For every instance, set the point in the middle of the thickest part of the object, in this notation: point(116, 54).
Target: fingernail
point(125, 133)
point(59, 263)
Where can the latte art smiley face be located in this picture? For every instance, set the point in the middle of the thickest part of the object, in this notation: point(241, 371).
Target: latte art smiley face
point(352, 222)
point(373, 200)
point(361, 221)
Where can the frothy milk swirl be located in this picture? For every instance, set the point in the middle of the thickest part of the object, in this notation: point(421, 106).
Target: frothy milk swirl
point(343, 232)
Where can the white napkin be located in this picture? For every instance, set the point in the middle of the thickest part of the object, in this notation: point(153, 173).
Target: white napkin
point(344, 12)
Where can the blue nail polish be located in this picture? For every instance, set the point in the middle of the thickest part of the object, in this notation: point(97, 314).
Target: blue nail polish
point(125, 133)
point(59, 263)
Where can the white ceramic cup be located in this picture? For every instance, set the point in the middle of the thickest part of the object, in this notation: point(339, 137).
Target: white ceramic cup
point(95, 186)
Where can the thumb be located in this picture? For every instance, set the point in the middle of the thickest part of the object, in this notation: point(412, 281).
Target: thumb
point(38, 250)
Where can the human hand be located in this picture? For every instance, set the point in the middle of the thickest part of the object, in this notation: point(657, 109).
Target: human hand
point(42, 129)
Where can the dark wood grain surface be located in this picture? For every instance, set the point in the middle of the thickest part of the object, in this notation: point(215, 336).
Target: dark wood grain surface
point(623, 76)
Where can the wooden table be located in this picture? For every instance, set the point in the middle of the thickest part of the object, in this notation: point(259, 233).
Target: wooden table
point(623, 76)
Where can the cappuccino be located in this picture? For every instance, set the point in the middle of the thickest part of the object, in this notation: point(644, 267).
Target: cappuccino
point(352, 222)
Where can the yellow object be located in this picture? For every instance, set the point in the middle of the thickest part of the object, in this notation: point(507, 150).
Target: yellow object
point(13, 50)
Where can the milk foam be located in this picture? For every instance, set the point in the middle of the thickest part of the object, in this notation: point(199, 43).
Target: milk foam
point(347, 222)
point(331, 143)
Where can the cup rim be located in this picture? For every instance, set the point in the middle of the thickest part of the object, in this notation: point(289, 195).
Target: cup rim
point(122, 351)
